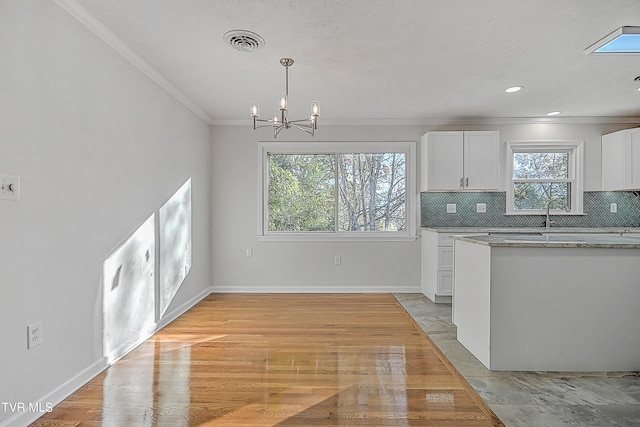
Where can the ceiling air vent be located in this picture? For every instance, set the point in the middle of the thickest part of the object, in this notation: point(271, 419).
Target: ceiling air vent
point(244, 41)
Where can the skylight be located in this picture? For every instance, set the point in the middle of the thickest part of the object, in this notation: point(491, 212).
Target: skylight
point(624, 40)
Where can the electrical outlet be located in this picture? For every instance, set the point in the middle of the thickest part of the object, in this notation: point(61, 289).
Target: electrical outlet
point(34, 335)
point(451, 208)
point(613, 208)
point(481, 207)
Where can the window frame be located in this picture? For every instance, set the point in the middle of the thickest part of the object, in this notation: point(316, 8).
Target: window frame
point(574, 148)
point(304, 147)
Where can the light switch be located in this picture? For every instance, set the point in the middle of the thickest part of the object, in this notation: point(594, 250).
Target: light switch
point(481, 207)
point(451, 208)
point(9, 187)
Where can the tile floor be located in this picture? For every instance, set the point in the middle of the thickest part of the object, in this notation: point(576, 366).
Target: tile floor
point(533, 399)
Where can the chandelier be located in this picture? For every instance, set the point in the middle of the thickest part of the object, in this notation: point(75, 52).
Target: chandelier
point(278, 123)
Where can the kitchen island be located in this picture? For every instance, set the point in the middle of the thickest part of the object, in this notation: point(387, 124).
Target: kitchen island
point(549, 302)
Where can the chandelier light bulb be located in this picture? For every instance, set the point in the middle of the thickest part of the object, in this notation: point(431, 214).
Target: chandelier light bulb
point(283, 103)
point(314, 109)
point(254, 111)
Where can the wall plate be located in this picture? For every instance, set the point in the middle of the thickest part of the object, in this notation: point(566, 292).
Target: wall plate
point(9, 187)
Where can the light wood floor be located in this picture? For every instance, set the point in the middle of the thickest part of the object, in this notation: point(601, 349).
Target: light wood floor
point(281, 359)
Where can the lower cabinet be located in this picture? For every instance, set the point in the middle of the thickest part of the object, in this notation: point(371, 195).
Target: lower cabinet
point(436, 274)
point(436, 269)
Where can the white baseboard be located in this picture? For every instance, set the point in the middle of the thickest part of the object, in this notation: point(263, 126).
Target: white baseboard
point(179, 311)
point(48, 401)
point(21, 419)
point(318, 289)
point(26, 417)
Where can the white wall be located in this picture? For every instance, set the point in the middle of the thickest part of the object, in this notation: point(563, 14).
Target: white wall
point(295, 266)
point(99, 148)
point(309, 266)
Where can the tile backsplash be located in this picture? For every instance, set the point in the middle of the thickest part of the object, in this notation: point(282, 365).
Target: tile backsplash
point(596, 206)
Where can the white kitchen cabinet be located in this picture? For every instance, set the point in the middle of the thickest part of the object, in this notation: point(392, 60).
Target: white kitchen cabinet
point(436, 269)
point(436, 266)
point(621, 160)
point(460, 161)
point(436, 273)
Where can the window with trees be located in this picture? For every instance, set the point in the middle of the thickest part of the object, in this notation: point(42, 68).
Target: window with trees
point(342, 190)
point(541, 171)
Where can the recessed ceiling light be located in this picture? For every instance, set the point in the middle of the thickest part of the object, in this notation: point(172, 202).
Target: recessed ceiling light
point(554, 113)
point(514, 89)
point(624, 40)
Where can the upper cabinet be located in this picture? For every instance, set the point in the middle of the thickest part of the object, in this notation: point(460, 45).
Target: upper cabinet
point(460, 161)
point(621, 160)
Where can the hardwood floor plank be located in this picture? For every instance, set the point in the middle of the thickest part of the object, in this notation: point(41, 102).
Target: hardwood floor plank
point(281, 359)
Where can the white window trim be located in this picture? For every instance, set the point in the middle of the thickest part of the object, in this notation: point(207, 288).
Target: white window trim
point(575, 149)
point(302, 147)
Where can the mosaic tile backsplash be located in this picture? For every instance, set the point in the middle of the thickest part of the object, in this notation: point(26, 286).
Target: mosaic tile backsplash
point(596, 206)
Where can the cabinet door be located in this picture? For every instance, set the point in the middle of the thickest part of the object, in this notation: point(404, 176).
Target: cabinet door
point(445, 258)
point(482, 160)
point(633, 159)
point(613, 161)
point(442, 154)
point(445, 282)
point(621, 160)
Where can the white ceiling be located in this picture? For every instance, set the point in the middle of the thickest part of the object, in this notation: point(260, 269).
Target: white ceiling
point(413, 60)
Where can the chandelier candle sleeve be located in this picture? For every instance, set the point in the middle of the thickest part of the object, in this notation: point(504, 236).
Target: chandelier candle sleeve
point(307, 125)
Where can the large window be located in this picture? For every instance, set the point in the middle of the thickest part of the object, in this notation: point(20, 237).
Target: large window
point(337, 190)
point(542, 171)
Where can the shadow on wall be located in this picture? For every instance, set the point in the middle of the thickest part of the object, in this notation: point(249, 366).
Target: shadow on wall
point(129, 286)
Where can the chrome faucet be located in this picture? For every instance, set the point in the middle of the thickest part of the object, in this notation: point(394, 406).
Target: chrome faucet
point(549, 221)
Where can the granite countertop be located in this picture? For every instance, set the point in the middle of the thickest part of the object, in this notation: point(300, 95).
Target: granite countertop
point(544, 230)
point(555, 240)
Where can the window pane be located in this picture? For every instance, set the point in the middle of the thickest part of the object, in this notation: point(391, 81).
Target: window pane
point(541, 165)
point(372, 192)
point(301, 192)
point(535, 195)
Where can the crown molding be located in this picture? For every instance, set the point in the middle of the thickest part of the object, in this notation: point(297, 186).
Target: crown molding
point(98, 28)
point(93, 24)
point(455, 121)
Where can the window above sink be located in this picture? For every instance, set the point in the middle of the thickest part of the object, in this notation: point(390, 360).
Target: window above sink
point(539, 171)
